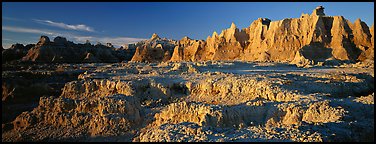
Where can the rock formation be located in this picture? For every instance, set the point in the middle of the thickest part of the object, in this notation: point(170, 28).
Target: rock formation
point(60, 41)
point(318, 38)
point(315, 37)
point(323, 36)
point(63, 51)
point(187, 49)
point(23, 85)
point(373, 36)
point(44, 40)
point(15, 52)
point(226, 46)
point(154, 37)
point(192, 101)
point(319, 11)
point(104, 116)
point(155, 49)
point(364, 40)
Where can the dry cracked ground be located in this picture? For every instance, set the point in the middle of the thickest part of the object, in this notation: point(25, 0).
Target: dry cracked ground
point(188, 101)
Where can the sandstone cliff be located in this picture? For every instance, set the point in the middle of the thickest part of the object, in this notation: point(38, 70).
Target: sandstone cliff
point(155, 49)
point(226, 46)
point(317, 37)
point(367, 48)
point(187, 50)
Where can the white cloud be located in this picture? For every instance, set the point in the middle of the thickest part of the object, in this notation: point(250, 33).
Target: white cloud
point(7, 39)
point(80, 27)
point(7, 42)
point(28, 30)
point(116, 41)
point(10, 18)
point(83, 38)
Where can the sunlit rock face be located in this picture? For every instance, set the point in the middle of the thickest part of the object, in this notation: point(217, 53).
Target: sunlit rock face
point(317, 36)
point(155, 49)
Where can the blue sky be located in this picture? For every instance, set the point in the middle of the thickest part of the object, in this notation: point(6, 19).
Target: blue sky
point(126, 22)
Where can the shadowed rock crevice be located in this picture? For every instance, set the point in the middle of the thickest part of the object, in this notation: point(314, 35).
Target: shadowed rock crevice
point(338, 86)
point(21, 89)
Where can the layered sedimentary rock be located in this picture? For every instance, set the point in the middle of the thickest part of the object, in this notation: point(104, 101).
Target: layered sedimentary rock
point(187, 49)
point(226, 46)
point(155, 49)
point(61, 50)
point(317, 37)
point(373, 36)
point(365, 45)
point(253, 113)
point(314, 37)
point(104, 116)
point(201, 101)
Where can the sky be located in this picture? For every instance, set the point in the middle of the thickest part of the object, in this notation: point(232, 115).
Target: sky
point(128, 22)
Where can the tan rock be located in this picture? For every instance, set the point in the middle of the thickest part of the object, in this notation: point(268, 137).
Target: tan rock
point(154, 37)
point(155, 49)
point(333, 37)
point(103, 115)
point(187, 50)
point(322, 112)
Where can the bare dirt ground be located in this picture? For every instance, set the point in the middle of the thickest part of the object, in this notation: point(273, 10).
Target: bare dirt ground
point(203, 101)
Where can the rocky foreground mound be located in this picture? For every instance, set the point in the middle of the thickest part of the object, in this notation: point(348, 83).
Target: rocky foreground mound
point(204, 101)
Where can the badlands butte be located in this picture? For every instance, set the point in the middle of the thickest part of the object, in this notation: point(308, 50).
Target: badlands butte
point(307, 79)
